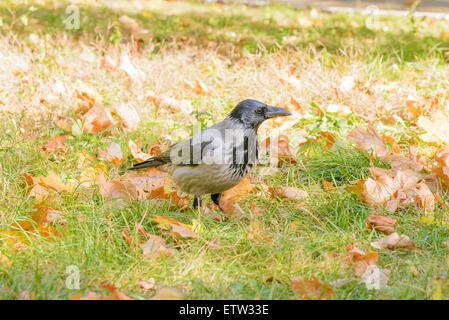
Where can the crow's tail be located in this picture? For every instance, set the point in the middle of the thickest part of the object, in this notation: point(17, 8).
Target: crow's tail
point(147, 164)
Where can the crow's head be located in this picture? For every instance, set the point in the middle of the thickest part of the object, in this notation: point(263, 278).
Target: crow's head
point(252, 113)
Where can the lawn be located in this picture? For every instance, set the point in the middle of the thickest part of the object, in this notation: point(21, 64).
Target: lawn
point(154, 71)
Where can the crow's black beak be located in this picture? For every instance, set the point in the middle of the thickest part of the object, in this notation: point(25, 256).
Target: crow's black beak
point(273, 112)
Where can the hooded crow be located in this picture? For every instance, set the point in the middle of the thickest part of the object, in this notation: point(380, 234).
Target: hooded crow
point(219, 157)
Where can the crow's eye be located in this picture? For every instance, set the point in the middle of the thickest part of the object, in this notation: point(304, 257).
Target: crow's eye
point(259, 111)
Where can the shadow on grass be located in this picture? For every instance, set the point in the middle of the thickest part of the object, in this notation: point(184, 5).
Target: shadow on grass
point(240, 32)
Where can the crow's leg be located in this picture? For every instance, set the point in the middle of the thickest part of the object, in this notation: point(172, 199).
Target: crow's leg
point(197, 201)
point(216, 199)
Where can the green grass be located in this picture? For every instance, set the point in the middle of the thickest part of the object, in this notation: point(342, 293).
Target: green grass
point(240, 52)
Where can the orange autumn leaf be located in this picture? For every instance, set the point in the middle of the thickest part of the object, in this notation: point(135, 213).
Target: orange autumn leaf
point(128, 115)
point(381, 223)
point(312, 289)
point(414, 106)
point(115, 294)
point(369, 140)
point(116, 189)
point(172, 197)
point(114, 154)
point(279, 150)
point(56, 144)
point(155, 247)
point(358, 260)
point(177, 228)
point(97, 120)
point(136, 151)
point(196, 86)
point(288, 193)
point(239, 191)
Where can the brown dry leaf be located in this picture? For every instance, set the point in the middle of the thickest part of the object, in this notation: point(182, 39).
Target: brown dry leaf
point(196, 86)
point(56, 144)
point(4, 261)
point(238, 192)
point(394, 241)
point(128, 115)
point(312, 289)
point(84, 101)
point(171, 103)
point(369, 140)
point(414, 106)
point(130, 25)
point(155, 247)
point(358, 260)
point(113, 155)
point(396, 188)
point(115, 294)
point(177, 228)
point(327, 185)
point(296, 106)
point(97, 120)
point(425, 199)
point(257, 232)
point(325, 139)
point(147, 285)
point(147, 180)
point(172, 197)
point(414, 161)
point(51, 182)
point(232, 209)
point(279, 150)
point(136, 151)
point(132, 71)
point(116, 189)
point(288, 193)
point(168, 294)
point(442, 165)
point(436, 129)
point(381, 223)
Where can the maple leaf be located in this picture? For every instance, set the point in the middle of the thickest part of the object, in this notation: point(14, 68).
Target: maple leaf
point(176, 228)
point(312, 289)
point(115, 294)
point(116, 189)
point(280, 151)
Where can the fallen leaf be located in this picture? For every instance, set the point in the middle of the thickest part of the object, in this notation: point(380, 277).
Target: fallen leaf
point(369, 140)
point(97, 120)
point(312, 289)
point(358, 260)
point(132, 71)
point(56, 144)
point(239, 191)
point(146, 285)
point(436, 129)
point(196, 86)
point(128, 115)
point(288, 193)
point(375, 277)
point(394, 241)
point(155, 247)
point(136, 151)
point(168, 294)
point(381, 223)
point(113, 155)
